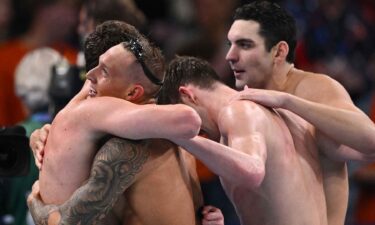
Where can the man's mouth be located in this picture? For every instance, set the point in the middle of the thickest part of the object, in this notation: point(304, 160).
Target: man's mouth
point(92, 92)
point(237, 72)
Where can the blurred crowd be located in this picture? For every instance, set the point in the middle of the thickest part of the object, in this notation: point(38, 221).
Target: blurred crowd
point(41, 60)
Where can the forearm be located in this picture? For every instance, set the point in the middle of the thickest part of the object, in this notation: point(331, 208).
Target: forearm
point(137, 122)
point(43, 214)
point(108, 180)
point(170, 121)
point(231, 165)
point(349, 127)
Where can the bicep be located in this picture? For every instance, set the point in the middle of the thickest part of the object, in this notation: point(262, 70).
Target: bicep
point(245, 133)
point(244, 128)
point(252, 143)
point(115, 168)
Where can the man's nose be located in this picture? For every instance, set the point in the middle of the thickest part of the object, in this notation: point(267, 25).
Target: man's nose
point(232, 55)
point(91, 75)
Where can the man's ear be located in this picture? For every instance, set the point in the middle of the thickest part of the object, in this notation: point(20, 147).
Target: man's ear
point(135, 93)
point(186, 95)
point(281, 51)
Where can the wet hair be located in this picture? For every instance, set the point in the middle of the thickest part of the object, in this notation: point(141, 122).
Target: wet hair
point(122, 10)
point(185, 70)
point(112, 33)
point(276, 24)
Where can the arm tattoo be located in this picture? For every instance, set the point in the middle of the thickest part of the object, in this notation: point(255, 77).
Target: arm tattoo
point(40, 212)
point(114, 169)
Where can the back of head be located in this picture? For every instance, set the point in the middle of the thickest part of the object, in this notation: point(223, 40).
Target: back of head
point(185, 70)
point(124, 10)
point(276, 24)
point(113, 32)
point(33, 76)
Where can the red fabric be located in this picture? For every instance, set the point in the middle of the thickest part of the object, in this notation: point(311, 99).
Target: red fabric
point(372, 108)
point(365, 211)
point(204, 174)
point(12, 110)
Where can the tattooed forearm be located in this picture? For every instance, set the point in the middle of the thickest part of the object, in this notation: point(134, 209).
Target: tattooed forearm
point(40, 212)
point(114, 170)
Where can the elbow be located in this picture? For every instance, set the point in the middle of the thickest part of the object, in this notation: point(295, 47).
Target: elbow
point(254, 177)
point(370, 146)
point(190, 123)
point(257, 180)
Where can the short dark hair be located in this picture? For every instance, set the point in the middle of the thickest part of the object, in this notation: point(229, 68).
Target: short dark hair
point(113, 32)
point(276, 24)
point(186, 70)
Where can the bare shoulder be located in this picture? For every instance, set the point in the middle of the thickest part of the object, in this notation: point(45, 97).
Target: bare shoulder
point(118, 152)
point(100, 104)
point(240, 112)
point(129, 159)
point(158, 151)
point(319, 87)
point(239, 107)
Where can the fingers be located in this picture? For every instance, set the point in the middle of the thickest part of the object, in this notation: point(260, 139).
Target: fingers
point(35, 189)
point(212, 216)
point(38, 164)
point(38, 154)
point(34, 138)
point(37, 142)
point(205, 222)
point(35, 146)
point(44, 132)
point(34, 193)
point(209, 208)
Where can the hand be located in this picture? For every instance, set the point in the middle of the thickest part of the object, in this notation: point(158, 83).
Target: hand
point(41, 213)
point(37, 142)
point(212, 216)
point(273, 99)
point(35, 194)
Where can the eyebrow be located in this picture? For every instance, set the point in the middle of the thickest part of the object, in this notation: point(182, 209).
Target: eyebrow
point(241, 40)
point(101, 63)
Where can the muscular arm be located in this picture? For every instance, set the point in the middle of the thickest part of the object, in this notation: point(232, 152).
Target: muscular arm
point(115, 168)
point(230, 164)
point(127, 120)
point(242, 162)
point(342, 122)
point(324, 103)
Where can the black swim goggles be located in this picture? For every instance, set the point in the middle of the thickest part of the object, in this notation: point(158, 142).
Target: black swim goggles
point(135, 47)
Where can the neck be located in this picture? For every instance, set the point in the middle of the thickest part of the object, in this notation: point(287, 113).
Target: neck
point(215, 100)
point(144, 101)
point(280, 77)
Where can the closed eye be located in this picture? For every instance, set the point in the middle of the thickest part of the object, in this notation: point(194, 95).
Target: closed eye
point(105, 71)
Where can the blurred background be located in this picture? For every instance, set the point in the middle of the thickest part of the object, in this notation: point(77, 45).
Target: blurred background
point(42, 67)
